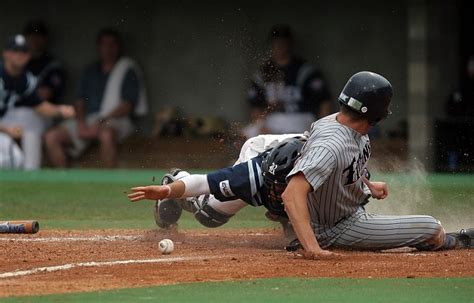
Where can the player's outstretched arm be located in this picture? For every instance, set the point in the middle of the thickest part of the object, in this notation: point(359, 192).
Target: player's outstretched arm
point(157, 192)
point(378, 190)
point(189, 186)
point(296, 206)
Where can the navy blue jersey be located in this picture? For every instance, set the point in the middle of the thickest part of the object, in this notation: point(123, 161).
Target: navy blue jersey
point(93, 83)
point(298, 86)
point(243, 181)
point(17, 91)
point(49, 73)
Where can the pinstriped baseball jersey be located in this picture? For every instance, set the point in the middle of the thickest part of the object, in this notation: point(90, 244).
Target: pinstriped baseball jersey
point(333, 160)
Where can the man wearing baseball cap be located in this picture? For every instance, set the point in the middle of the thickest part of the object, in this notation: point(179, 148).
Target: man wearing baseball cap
point(19, 101)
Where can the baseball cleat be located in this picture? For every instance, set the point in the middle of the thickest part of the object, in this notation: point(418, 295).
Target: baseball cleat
point(168, 211)
point(464, 238)
point(294, 245)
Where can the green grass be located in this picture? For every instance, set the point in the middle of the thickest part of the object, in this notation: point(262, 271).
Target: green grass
point(95, 199)
point(91, 200)
point(286, 290)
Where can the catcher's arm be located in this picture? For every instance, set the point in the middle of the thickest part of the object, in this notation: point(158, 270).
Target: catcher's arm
point(189, 186)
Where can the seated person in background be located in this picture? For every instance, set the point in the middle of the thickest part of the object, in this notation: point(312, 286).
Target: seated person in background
point(461, 102)
point(17, 91)
point(48, 71)
point(287, 94)
point(457, 151)
point(109, 93)
point(49, 86)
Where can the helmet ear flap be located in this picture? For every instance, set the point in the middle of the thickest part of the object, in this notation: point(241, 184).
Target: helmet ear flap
point(368, 94)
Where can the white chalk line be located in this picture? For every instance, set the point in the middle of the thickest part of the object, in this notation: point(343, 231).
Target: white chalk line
point(97, 238)
point(48, 269)
point(75, 239)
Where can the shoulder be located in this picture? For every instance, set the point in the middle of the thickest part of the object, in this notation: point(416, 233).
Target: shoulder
point(329, 134)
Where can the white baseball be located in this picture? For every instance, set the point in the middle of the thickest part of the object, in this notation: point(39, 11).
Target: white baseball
point(166, 246)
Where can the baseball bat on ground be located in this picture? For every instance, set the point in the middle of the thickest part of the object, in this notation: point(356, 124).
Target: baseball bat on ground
point(19, 227)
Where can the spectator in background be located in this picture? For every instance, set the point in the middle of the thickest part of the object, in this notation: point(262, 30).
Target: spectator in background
point(49, 85)
point(19, 103)
point(461, 102)
point(455, 133)
point(287, 94)
point(48, 71)
point(109, 93)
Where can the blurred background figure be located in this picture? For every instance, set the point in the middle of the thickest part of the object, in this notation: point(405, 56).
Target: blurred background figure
point(457, 151)
point(20, 103)
point(43, 65)
point(460, 104)
point(49, 86)
point(287, 94)
point(110, 93)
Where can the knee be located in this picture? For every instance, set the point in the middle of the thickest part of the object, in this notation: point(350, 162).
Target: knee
point(52, 137)
point(107, 136)
point(435, 238)
point(210, 217)
point(438, 232)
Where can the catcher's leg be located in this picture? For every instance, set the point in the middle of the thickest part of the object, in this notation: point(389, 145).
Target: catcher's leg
point(207, 210)
point(168, 211)
point(377, 232)
point(211, 212)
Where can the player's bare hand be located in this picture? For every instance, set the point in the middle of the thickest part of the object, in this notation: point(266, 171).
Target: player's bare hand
point(151, 192)
point(14, 132)
point(319, 254)
point(378, 190)
point(66, 111)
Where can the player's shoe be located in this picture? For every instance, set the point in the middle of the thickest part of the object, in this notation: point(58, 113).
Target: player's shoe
point(464, 238)
point(168, 211)
point(294, 245)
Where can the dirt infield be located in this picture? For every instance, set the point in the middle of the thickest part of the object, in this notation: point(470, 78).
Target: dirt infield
point(58, 261)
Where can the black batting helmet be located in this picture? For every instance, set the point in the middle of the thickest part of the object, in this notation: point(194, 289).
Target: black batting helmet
point(368, 94)
point(275, 167)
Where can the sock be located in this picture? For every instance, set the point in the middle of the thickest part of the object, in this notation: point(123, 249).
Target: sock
point(450, 242)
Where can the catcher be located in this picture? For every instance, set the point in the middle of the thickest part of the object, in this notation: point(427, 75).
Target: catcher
point(257, 178)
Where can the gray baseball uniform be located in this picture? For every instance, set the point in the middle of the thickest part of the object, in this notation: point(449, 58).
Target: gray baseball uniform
point(332, 161)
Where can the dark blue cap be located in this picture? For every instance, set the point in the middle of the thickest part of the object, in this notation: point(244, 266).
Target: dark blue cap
point(17, 43)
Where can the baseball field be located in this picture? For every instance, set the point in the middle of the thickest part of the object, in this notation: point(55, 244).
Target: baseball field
point(95, 246)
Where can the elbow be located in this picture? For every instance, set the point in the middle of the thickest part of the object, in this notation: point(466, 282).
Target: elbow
point(288, 200)
point(285, 196)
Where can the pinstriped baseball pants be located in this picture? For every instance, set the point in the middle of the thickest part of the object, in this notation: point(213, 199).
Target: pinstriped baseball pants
point(364, 231)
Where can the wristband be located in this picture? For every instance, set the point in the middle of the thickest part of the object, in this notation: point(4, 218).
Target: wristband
point(169, 190)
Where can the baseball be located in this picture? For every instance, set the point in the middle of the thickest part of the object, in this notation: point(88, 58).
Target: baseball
point(166, 246)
